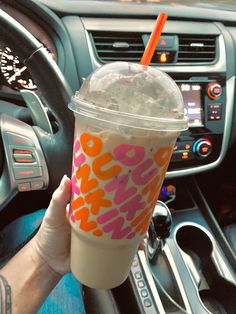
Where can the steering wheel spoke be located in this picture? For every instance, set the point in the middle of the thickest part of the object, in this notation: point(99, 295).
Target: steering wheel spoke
point(25, 168)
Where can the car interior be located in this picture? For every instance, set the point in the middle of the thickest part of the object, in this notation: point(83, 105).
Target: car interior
point(47, 49)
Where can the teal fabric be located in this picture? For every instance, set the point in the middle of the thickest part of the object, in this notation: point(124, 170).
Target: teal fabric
point(65, 298)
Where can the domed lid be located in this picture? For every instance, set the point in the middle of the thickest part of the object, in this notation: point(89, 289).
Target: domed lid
point(132, 94)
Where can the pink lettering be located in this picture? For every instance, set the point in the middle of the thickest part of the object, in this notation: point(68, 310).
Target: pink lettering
point(138, 175)
point(115, 227)
point(120, 185)
point(78, 158)
point(107, 216)
point(132, 206)
point(72, 217)
point(129, 155)
point(74, 187)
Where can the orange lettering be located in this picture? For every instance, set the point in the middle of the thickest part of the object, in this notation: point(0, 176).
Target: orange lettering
point(102, 161)
point(143, 226)
point(98, 233)
point(144, 214)
point(153, 188)
point(78, 202)
point(85, 185)
point(96, 200)
point(162, 156)
point(83, 215)
point(92, 145)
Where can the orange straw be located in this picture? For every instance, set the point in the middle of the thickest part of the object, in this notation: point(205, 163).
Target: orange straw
point(153, 40)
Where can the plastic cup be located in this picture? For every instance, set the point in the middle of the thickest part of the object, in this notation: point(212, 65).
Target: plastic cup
point(127, 120)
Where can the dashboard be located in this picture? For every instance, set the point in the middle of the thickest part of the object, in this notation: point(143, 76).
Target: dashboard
point(199, 54)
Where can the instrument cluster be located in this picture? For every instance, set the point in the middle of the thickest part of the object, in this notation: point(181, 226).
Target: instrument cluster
point(13, 73)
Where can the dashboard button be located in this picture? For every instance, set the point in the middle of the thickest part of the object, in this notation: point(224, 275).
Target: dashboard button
point(214, 112)
point(144, 293)
point(147, 303)
point(141, 284)
point(202, 147)
point(138, 275)
point(166, 42)
point(135, 263)
point(214, 90)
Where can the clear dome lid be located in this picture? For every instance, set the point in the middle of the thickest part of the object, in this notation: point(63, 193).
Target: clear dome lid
point(134, 95)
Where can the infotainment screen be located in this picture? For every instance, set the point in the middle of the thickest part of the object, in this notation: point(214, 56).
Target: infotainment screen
point(192, 103)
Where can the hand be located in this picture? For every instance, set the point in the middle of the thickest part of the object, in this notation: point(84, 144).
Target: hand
point(52, 242)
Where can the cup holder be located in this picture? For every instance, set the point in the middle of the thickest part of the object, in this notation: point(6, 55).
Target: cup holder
point(216, 293)
point(195, 242)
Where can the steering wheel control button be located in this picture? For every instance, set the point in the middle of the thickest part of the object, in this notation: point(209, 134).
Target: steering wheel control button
point(23, 156)
point(214, 90)
point(23, 187)
point(25, 161)
point(37, 185)
point(214, 112)
point(18, 140)
point(27, 172)
point(203, 147)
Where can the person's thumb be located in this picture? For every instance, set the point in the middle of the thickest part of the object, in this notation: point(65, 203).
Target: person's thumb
point(56, 211)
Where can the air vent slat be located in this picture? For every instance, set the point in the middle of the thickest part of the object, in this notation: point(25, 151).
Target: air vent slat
point(205, 46)
point(119, 52)
point(199, 52)
point(115, 46)
point(109, 44)
point(195, 59)
point(121, 59)
point(197, 49)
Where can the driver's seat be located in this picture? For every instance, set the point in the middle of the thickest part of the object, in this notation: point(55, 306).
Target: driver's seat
point(66, 297)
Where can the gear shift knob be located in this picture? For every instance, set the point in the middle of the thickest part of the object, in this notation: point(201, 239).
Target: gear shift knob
point(159, 230)
point(162, 220)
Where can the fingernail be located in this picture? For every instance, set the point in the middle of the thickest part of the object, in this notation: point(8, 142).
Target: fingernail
point(63, 181)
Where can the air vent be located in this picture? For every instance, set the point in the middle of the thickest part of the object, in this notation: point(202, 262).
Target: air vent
point(118, 46)
point(196, 49)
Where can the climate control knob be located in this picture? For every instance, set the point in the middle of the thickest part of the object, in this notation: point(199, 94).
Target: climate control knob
point(202, 147)
point(214, 90)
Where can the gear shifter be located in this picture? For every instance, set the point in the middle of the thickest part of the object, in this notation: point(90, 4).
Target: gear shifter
point(158, 231)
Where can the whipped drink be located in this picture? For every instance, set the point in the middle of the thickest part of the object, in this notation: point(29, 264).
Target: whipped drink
point(128, 117)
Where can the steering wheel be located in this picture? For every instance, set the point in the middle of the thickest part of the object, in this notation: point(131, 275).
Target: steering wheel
point(35, 159)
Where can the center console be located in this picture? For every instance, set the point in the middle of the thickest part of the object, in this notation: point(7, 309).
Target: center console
point(191, 273)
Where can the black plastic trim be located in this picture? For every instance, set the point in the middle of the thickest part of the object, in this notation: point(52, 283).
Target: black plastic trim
point(212, 222)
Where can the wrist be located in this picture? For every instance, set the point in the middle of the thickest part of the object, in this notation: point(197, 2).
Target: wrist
point(39, 259)
point(30, 278)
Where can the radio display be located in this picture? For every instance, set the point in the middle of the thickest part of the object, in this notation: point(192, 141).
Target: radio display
point(192, 103)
